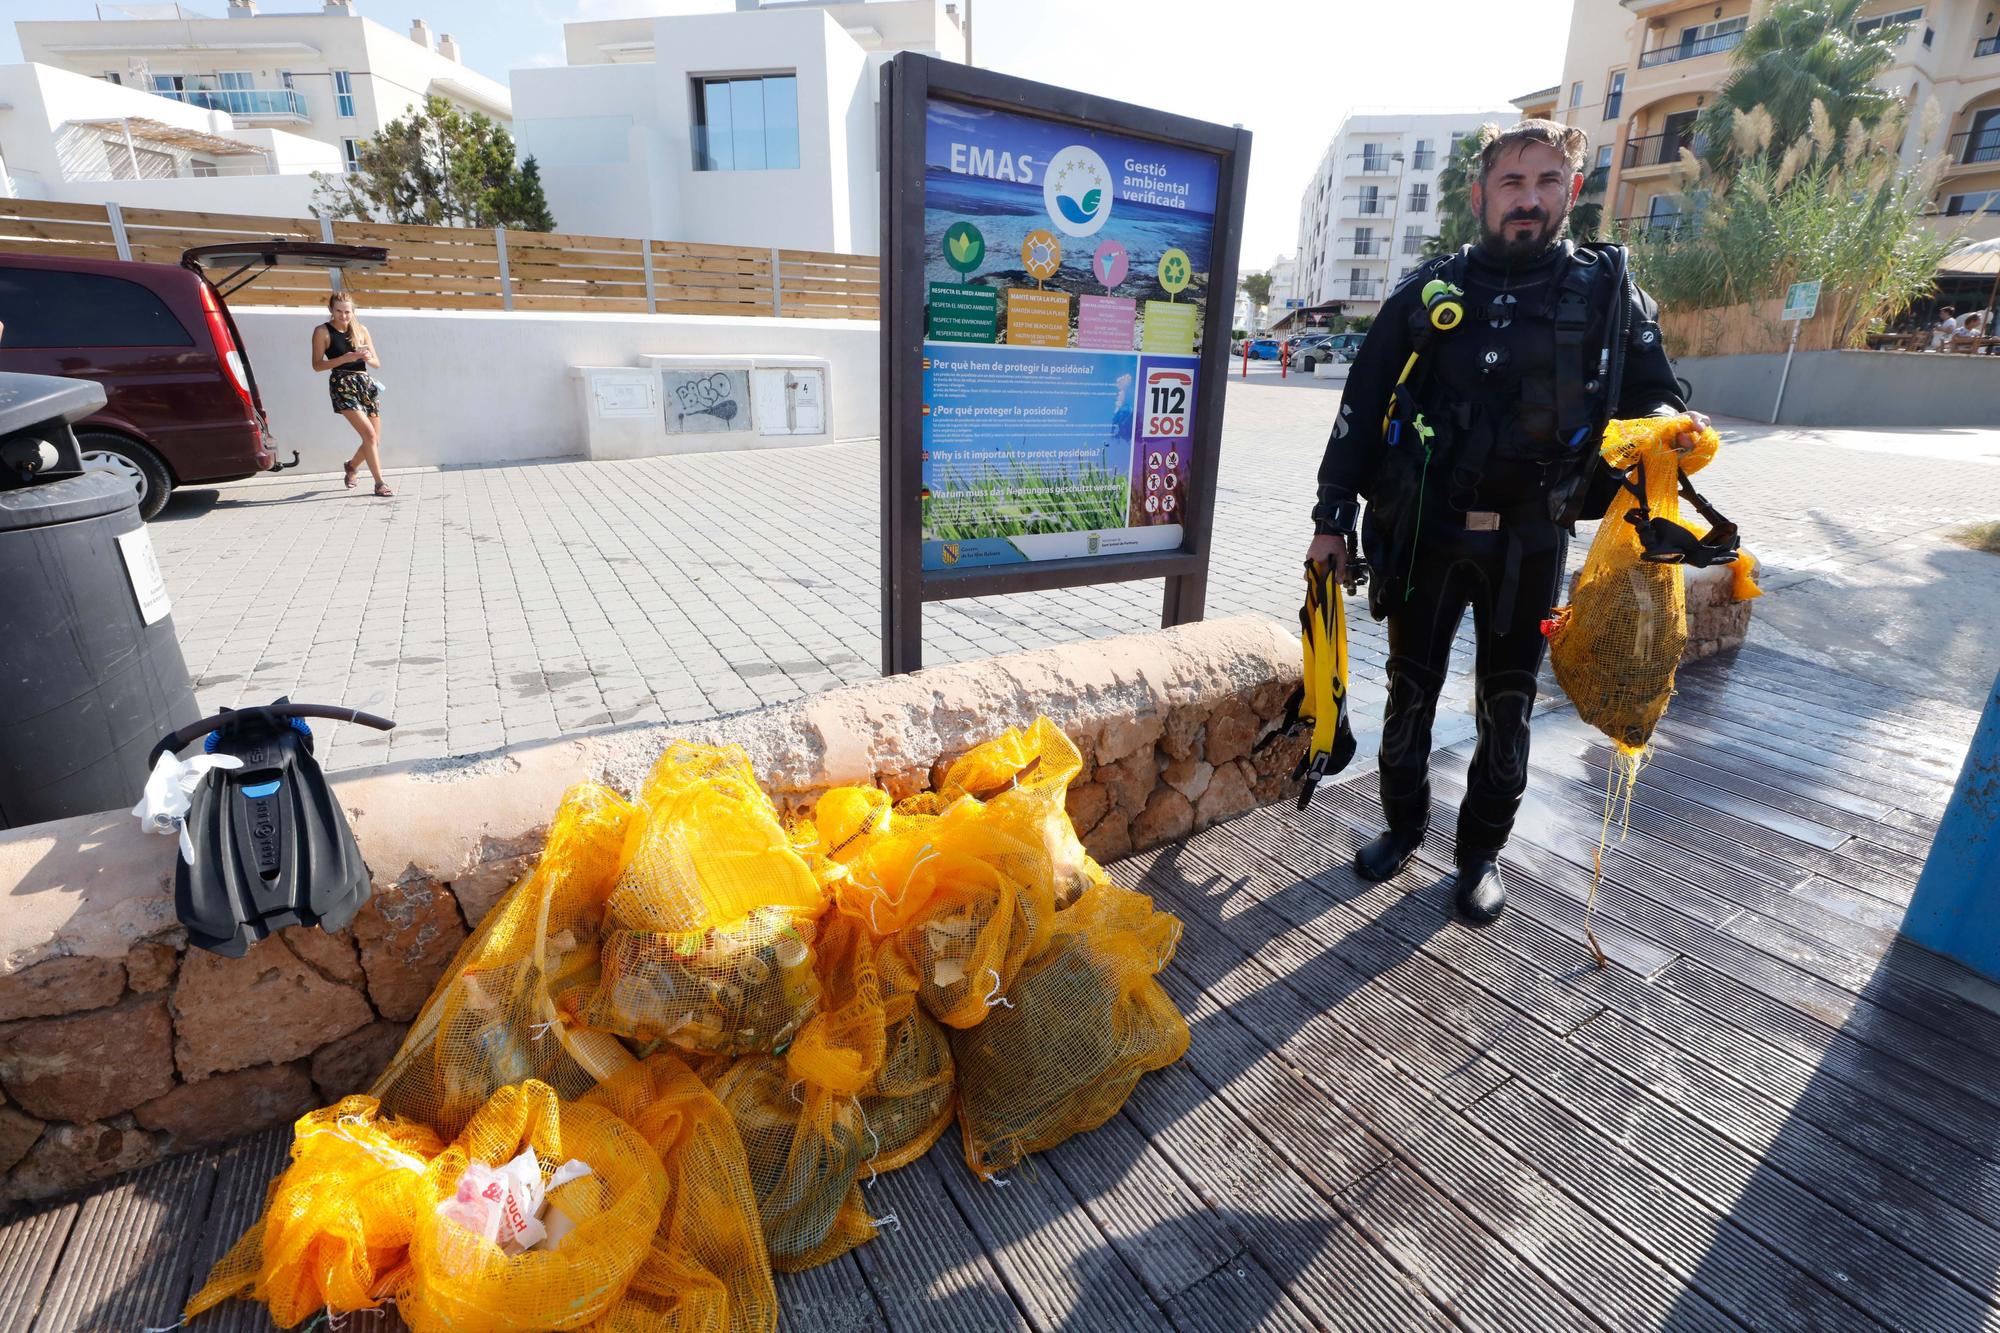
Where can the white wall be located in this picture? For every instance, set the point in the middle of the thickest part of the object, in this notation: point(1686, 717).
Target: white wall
point(490, 386)
point(254, 196)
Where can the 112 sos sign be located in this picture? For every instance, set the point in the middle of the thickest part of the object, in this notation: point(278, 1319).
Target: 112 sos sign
point(1168, 400)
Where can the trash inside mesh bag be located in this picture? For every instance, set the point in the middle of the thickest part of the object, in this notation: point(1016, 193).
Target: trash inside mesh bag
point(800, 1118)
point(1615, 646)
point(493, 1019)
point(962, 897)
point(908, 1105)
point(459, 1281)
point(712, 850)
point(1084, 1019)
point(730, 990)
point(1022, 777)
point(706, 1270)
point(336, 1226)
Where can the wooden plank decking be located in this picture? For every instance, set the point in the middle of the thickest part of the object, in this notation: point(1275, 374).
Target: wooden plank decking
point(1765, 1114)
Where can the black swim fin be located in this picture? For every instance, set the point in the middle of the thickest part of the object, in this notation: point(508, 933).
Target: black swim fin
point(271, 845)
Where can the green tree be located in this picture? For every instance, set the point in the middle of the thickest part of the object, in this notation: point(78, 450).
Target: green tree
point(1258, 287)
point(1586, 220)
point(1457, 224)
point(1802, 55)
point(439, 166)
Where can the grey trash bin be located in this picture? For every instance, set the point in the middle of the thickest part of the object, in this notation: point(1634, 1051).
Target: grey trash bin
point(90, 672)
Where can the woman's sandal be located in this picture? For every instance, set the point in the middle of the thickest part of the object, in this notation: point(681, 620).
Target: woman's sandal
point(350, 469)
point(382, 489)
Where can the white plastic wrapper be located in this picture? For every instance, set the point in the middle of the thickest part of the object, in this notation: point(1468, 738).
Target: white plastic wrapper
point(504, 1204)
point(163, 806)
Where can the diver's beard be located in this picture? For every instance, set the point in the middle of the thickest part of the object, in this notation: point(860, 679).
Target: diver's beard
point(1501, 244)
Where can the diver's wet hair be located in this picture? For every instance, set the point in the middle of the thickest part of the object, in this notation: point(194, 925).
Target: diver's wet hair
point(1568, 140)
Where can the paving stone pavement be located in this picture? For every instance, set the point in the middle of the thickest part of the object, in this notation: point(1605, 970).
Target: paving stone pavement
point(487, 606)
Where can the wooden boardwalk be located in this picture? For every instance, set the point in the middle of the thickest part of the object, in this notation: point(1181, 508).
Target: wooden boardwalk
point(1765, 1114)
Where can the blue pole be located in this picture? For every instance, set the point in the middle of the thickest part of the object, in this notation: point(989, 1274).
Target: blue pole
point(1956, 908)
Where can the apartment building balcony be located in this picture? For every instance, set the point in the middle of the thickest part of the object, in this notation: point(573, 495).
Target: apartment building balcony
point(1358, 289)
point(1690, 50)
point(1425, 160)
point(248, 104)
point(1414, 245)
point(1653, 154)
point(1372, 164)
point(1974, 150)
point(1369, 249)
point(1365, 206)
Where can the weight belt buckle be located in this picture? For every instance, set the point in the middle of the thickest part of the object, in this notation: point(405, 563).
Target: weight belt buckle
point(1481, 520)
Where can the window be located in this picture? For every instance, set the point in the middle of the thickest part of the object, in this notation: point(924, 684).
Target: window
point(1893, 20)
point(1413, 240)
point(1420, 198)
point(747, 124)
point(1371, 157)
point(1423, 159)
point(285, 79)
point(237, 80)
point(1614, 96)
point(350, 154)
point(1370, 201)
point(1575, 95)
point(113, 76)
point(1662, 211)
point(1604, 157)
point(343, 94)
point(1978, 200)
point(50, 308)
point(1364, 240)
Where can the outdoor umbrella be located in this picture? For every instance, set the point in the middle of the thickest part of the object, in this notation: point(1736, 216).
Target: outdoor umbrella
point(1981, 258)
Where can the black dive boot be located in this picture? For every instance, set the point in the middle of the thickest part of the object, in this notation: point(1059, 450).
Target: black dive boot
point(1385, 857)
point(1478, 888)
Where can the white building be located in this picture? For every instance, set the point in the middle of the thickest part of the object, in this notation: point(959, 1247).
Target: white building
point(1373, 203)
point(333, 75)
point(81, 140)
point(1284, 285)
point(750, 127)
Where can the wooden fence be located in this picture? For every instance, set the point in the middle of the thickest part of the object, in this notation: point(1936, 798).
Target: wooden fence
point(1736, 330)
point(463, 268)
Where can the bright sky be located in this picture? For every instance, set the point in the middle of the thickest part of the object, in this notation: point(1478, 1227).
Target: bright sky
point(1287, 70)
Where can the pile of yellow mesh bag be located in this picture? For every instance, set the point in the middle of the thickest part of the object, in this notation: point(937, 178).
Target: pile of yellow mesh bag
point(672, 1057)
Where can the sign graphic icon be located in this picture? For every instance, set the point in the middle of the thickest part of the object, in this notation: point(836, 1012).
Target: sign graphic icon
point(1076, 189)
point(964, 247)
point(1176, 270)
point(1111, 262)
point(1041, 254)
point(1801, 301)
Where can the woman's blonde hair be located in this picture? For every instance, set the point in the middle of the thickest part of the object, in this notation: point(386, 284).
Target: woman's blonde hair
point(360, 333)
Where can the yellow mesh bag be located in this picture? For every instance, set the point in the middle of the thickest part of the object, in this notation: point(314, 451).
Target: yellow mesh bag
point(493, 1019)
point(460, 1282)
point(336, 1225)
point(706, 1271)
point(1023, 777)
point(712, 850)
point(908, 1106)
point(962, 899)
point(1615, 646)
point(1085, 1019)
point(804, 1136)
point(726, 991)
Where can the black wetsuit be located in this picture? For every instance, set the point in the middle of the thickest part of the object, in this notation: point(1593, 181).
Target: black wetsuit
point(1480, 532)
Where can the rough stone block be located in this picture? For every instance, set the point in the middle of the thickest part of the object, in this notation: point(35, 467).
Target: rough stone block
point(407, 933)
point(83, 1067)
point(1125, 736)
point(150, 967)
point(1168, 817)
point(1231, 733)
point(1228, 796)
point(1190, 777)
point(1131, 780)
point(1111, 838)
point(264, 1008)
point(216, 1110)
point(68, 1157)
point(351, 1064)
point(61, 986)
point(478, 890)
point(1182, 735)
point(332, 956)
point(1087, 803)
point(18, 1133)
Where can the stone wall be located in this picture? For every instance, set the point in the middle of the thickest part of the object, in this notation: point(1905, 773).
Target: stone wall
point(119, 1045)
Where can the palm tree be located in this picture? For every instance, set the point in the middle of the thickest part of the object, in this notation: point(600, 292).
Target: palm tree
point(1586, 220)
point(1801, 52)
point(1457, 225)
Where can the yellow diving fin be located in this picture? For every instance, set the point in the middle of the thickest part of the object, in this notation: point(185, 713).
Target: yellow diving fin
point(1321, 698)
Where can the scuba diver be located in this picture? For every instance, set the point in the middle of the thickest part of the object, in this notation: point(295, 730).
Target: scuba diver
point(1470, 425)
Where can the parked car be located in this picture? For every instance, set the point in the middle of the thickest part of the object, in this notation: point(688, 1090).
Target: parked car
point(181, 401)
point(1330, 347)
point(1263, 349)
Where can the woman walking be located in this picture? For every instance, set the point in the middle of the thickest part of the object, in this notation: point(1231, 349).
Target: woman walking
point(342, 345)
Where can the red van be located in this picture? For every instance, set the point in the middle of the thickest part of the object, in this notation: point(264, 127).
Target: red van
point(181, 403)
